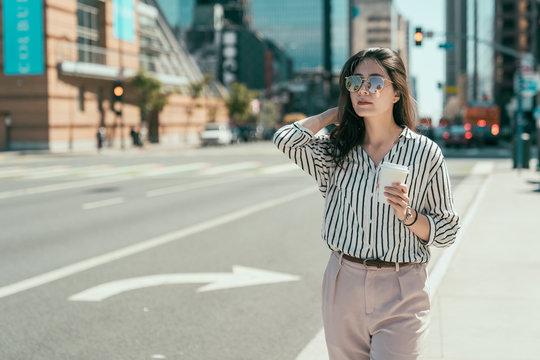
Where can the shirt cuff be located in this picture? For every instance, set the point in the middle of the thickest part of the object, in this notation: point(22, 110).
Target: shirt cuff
point(431, 238)
point(303, 129)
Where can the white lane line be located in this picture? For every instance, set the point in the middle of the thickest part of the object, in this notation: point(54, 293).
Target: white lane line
point(278, 169)
point(218, 170)
point(186, 187)
point(103, 203)
point(62, 186)
point(316, 349)
point(146, 245)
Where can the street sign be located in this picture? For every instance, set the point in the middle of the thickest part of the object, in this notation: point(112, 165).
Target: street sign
point(447, 46)
point(451, 89)
point(240, 277)
point(530, 84)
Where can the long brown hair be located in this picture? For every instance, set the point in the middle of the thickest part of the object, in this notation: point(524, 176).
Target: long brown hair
point(352, 129)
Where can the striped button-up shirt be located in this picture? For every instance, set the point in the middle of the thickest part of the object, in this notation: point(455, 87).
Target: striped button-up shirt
point(354, 222)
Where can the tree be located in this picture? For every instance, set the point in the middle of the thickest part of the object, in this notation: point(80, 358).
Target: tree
point(270, 114)
point(238, 103)
point(152, 99)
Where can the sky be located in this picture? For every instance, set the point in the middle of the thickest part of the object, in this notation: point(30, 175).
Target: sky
point(426, 61)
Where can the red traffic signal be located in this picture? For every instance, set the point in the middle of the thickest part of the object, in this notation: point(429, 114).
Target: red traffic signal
point(418, 36)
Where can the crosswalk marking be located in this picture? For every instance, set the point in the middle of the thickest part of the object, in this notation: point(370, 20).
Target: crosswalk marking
point(185, 187)
point(177, 169)
point(23, 171)
point(223, 169)
point(278, 169)
point(17, 173)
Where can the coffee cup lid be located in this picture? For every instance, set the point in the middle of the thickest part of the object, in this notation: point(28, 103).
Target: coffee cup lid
point(395, 166)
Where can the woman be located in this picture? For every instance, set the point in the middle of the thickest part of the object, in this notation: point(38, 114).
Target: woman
point(375, 291)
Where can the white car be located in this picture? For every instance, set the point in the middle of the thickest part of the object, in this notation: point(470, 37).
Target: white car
point(216, 134)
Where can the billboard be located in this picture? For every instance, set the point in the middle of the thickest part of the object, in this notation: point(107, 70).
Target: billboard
point(124, 20)
point(23, 37)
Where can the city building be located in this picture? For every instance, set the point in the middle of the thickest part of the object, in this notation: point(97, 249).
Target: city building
point(456, 57)
point(518, 27)
point(60, 60)
point(480, 56)
point(298, 27)
point(377, 23)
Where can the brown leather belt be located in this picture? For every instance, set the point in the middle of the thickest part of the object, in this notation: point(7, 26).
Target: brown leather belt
point(372, 262)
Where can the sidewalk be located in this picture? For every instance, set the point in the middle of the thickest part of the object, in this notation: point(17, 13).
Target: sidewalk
point(487, 304)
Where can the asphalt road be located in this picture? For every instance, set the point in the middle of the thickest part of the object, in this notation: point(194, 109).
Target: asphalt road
point(221, 247)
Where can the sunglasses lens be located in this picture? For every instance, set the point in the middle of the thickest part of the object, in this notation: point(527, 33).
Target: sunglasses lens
point(353, 83)
point(375, 84)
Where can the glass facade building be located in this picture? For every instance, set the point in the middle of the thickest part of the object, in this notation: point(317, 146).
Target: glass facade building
point(297, 26)
point(480, 57)
point(179, 13)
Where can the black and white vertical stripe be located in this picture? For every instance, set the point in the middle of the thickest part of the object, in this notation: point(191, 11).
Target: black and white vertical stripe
point(354, 221)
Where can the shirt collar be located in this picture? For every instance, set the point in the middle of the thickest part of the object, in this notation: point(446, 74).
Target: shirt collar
point(408, 133)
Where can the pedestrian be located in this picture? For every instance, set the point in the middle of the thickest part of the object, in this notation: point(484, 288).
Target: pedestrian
point(375, 298)
point(100, 138)
point(135, 137)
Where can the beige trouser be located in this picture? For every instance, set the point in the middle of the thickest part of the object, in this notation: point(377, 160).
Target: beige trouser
point(382, 313)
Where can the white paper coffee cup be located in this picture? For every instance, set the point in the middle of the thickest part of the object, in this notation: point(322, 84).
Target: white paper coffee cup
point(388, 174)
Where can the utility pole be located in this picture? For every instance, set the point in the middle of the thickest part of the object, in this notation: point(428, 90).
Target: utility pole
point(327, 49)
point(475, 53)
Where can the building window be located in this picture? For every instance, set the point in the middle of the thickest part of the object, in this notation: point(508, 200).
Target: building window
point(378, 30)
point(508, 8)
point(379, 18)
point(509, 23)
point(88, 34)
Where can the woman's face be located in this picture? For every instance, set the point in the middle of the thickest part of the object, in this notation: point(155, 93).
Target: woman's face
point(365, 102)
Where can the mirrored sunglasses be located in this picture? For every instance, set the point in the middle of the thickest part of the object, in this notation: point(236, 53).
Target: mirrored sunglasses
point(374, 84)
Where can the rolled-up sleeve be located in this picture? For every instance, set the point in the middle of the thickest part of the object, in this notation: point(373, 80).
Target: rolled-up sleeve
point(309, 152)
point(440, 209)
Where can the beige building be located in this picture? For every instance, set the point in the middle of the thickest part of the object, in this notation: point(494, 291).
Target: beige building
point(377, 23)
point(86, 46)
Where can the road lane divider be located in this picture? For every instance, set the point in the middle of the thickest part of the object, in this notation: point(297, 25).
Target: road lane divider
point(99, 260)
point(103, 203)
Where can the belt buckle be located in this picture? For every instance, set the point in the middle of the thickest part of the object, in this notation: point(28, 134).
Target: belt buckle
point(377, 263)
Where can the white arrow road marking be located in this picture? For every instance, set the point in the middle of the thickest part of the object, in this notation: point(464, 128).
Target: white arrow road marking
point(240, 277)
point(148, 244)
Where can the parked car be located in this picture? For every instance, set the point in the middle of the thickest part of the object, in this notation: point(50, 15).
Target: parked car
point(216, 134)
point(457, 135)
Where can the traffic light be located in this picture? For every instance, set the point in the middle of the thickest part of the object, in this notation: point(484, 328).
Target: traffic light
point(118, 91)
point(418, 36)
